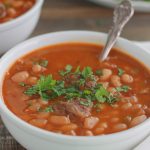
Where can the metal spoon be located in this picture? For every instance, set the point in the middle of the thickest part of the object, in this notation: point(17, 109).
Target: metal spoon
point(122, 14)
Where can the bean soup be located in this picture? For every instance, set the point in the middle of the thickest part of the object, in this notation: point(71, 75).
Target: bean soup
point(10, 9)
point(65, 89)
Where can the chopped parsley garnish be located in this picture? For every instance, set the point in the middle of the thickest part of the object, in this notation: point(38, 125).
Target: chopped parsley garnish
point(120, 71)
point(48, 109)
point(77, 70)
point(72, 86)
point(85, 103)
point(101, 94)
point(99, 72)
point(43, 63)
point(123, 88)
point(22, 84)
point(67, 70)
point(44, 84)
point(31, 91)
point(87, 72)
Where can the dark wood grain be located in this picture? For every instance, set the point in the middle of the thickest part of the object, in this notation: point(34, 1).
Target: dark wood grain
point(60, 15)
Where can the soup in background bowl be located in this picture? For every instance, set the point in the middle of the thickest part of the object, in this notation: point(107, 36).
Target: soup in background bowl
point(15, 17)
point(10, 9)
point(63, 88)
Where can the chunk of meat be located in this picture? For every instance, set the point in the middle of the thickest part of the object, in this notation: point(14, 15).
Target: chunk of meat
point(72, 79)
point(73, 108)
point(91, 84)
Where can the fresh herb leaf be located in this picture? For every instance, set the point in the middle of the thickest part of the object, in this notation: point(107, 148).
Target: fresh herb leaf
point(111, 99)
point(85, 103)
point(43, 63)
point(124, 88)
point(70, 96)
point(120, 71)
point(49, 109)
point(45, 83)
point(31, 91)
point(101, 94)
point(67, 70)
point(44, 96)
point(22, 84)
point(87, 72)
point(48, 88)
point(77, 70)
point(81, 82)
point(87, 92)
point(98, 72)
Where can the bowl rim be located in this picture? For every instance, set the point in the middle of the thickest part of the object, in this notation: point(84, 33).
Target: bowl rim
point(9, 24)
point(44, 134)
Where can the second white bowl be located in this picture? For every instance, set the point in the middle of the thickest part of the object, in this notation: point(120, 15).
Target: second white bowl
point(17, 30)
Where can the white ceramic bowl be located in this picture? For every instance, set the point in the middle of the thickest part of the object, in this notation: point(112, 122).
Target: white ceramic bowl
point(17, 30)
point(34, 138)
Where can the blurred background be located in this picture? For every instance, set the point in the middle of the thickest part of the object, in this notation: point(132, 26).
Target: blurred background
point(60, 15)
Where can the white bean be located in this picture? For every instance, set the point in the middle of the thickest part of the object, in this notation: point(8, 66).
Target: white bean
point(106, 73)
point(105, 84)
point(99, 130)
point(136, 106)
point(102, 125)
point(138, 120)
point(37, 68)
point(126, 106)
point(59, 120)
point(32, 80)
point(42, 115)
point(17, 4)
point(33, 107)
point(88, 133)
point(115, 80)
point(69, 127)
point(147, 111)
point(114, 120)
point(90, 122)
point(119, 127)
point(140, 112)
point(127, 119)
point(72, 132)
point(20, 76)
point(11, 12)
point(38, 122)
point(126, 78)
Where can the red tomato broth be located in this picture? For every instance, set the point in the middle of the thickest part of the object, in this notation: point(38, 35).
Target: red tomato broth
point(10, 9)
point(82, 54)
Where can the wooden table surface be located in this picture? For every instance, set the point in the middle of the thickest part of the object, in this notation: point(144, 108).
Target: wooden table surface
point(58, 15)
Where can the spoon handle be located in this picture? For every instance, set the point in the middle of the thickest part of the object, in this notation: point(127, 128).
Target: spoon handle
point(122, 14)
